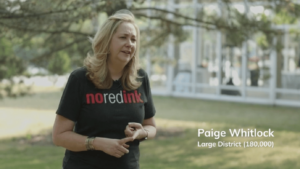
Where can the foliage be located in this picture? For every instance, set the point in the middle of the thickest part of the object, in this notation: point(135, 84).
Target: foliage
point(44, 28)
point(60, 25)
point(284, 17)
point(262, 42)
point(10, 66)
point(59, 64)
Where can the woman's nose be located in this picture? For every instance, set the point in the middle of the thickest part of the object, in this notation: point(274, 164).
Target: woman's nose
point(129, 43)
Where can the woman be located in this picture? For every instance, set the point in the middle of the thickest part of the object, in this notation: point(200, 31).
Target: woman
point(106, 108)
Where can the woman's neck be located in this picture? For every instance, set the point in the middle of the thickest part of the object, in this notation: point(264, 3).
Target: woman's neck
point(115, 71)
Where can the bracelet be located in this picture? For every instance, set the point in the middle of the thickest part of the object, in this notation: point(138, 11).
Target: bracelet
point(89, 143)
point(145, 138)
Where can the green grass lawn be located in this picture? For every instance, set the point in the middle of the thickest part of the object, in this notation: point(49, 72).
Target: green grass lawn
point(16, 156)
point(178, 120)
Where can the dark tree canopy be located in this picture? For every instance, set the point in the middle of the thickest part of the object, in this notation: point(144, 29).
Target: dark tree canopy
point(38, 30)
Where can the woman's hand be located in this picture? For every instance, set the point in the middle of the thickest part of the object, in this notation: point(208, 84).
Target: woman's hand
point(113, 147)
point(135, 130)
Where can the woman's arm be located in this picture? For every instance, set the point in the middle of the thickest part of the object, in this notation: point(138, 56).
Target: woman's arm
point(150, 126)
point(64, 136)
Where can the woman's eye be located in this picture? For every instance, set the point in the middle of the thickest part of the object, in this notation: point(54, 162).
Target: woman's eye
point(133, 40)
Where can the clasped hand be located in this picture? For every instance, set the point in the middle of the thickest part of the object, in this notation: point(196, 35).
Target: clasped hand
point(118, 148)
point(135, 130)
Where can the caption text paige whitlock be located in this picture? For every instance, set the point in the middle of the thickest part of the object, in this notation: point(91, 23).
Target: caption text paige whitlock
point(236, 133)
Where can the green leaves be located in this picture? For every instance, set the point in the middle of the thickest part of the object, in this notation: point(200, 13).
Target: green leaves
point(51, 26)
point(283, 16)
point(10, 65)
point(59, 63)
point(262, 42)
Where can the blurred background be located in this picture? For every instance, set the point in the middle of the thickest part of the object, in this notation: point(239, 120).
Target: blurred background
point(213, 64)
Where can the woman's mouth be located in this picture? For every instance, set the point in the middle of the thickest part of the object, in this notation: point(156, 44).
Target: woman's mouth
point(127, 52)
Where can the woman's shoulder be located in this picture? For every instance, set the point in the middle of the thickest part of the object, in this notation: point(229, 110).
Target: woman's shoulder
point(142, 73)
point(143, 76)
point(79, 72)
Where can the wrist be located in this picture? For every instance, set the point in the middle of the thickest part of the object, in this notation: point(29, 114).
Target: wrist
point(145, 137)
point(98, 143)
point(89, 143)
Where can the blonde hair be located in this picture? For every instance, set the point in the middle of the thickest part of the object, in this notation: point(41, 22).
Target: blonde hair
point(96, 64)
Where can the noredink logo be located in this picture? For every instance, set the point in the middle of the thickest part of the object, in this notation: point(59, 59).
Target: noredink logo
point(122, 97)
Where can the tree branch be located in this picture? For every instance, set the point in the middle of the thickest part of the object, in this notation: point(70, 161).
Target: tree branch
point(204, 24)
point(174, 13)
point(48, 54)
point(24, 15)
point(45, 31)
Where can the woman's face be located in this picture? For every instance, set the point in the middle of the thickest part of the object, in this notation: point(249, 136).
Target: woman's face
point(123, 44)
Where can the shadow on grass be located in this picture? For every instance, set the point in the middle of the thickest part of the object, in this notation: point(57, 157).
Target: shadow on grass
point(46, 100)
point(172, 149)
point(31, 157)
point(182, 152)
point(36, 152)
point(237, 114)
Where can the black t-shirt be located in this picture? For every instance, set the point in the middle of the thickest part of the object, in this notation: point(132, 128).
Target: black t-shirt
point(104, 113)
